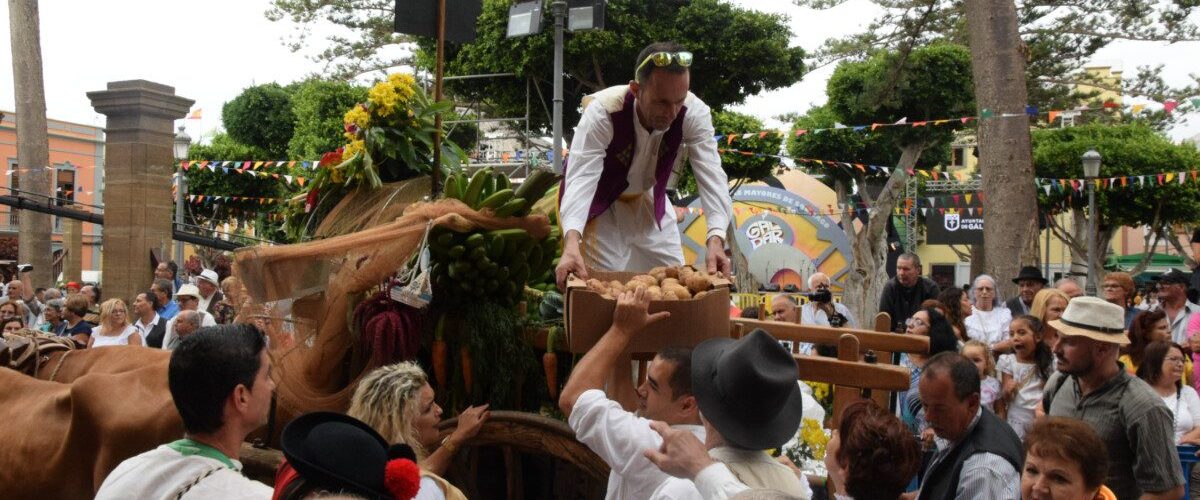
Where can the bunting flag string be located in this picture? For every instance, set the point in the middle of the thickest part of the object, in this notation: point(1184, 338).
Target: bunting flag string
point(1047, 184)
point(249, 164)
point(1169, 106)
point(868, 169)
point(203, 198)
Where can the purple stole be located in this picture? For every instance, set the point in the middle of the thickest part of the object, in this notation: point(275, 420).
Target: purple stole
point(614, 179)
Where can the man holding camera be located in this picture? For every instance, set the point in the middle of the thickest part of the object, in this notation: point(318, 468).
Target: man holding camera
point(821, 309)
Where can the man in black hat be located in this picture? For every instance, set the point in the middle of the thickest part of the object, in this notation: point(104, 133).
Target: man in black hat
point(1173, 300)
point(1029, 282)
point(331, 453)
point(749, 402)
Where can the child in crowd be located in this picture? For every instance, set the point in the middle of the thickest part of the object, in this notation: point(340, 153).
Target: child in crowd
point(989, 386)
point(1023, 373)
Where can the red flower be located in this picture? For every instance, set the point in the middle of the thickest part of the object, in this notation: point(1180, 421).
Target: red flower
point(332, 158)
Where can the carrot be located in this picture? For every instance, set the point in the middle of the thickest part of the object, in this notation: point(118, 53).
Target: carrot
point(466, 368)
point(550, 364)
point(439, 353)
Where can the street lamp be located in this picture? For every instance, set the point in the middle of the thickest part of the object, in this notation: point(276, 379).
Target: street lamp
point(183, 143)
point(1091, 170)
point(525, 19)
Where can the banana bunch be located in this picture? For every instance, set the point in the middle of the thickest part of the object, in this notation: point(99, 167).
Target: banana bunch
point(492, 265)
point(490, 190)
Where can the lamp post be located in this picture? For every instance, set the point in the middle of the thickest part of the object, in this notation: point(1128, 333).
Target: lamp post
point(183, 143)
point(525, 19)
point(1091, 170)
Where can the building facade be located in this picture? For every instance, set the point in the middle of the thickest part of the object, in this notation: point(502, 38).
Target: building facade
point(77, 161)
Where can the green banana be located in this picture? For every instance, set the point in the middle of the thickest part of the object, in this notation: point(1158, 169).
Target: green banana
point(461, 179)
point(450, 190)
point(474, 188)
point(497, 199)
point(515, 206)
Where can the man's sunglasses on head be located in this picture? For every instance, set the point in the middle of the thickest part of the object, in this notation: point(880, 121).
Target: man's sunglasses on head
point(663, 59)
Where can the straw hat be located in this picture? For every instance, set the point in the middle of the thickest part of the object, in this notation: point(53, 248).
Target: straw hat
point(1094, 318)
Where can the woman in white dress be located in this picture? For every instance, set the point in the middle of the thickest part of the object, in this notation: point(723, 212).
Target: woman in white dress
point(989, 319)
point(114, 327)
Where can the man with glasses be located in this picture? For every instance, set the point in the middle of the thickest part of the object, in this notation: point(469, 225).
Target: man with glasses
point(630, 141)
point(1173, 300)
point(188, 297)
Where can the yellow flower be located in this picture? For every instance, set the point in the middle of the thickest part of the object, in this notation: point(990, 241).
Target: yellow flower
point(383, 98)
point(358, 117)
point(814, 436)
point(353, 148)
point(404, 84)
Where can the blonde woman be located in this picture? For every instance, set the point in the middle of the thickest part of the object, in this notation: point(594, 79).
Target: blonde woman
point(398, 402)
point(1048, 305)
point(114, 327)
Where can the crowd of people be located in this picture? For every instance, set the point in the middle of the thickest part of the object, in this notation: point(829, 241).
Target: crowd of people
point(171, 308)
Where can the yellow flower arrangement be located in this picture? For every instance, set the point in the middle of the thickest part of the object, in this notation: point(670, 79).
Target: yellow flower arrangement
point(810, 443)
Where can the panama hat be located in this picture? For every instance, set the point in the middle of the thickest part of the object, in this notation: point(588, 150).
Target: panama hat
point(210, 276)
point(1094, 318)
point(188, 290)
point(747, 389)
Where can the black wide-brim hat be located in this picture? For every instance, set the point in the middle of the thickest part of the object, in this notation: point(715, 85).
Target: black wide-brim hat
point(1030, 273)
point(340, 453)
point(747, 390)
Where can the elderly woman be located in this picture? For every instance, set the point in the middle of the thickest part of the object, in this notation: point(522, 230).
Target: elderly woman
point(871, 455)
point(55, 323)
point(988, 322)
point(1118, 289)
point(1163, 368)
point(1048, 305)
point(1064, 460)
point(397, 401)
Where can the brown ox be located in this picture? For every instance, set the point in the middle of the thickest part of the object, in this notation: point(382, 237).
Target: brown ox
point(61, 439)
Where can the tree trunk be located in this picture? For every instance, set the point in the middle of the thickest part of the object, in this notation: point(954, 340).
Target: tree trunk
point(868, 272)
point(33, 149)
point(1005, 154)
point(1079, 252)
point(978, 262)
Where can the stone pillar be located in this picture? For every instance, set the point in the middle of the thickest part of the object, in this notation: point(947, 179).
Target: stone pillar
point(72, 235)
point(138, 162)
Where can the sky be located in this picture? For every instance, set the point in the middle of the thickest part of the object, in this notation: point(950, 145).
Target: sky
point(211, 50)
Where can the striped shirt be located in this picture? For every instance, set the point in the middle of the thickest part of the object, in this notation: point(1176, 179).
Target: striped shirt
point(1135, 425)
point(984, 476)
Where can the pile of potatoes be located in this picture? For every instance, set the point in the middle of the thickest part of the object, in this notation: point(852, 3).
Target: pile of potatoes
point(661, 283)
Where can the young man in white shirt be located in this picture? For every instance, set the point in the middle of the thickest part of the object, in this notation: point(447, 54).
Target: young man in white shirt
point(619, 436)
point(220, 379)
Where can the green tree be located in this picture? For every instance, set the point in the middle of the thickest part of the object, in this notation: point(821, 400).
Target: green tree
point(883, 89)
point(748, 159)
point(738, 52)
point(219, 182)
point(319, 107)
point(261, 116)
point(1127, 151)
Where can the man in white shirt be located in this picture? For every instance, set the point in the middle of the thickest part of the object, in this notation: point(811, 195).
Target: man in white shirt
point(220, 379)
point(614, 211)
point(150, 326)
point(749, 402)
point(188, 298)
point(822, 310)
point(619, 436)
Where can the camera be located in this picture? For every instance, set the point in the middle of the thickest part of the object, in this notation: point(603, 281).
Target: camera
point(821, 295)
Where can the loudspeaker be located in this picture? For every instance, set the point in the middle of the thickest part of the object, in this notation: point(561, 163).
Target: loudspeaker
point(419, 17)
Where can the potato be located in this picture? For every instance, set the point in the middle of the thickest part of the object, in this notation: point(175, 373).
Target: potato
point(680, 292)
point(654, 293)
point(700, 294)
point(597, 286)
point(698, 282)
point(671, 272)
point(654, 289)
point(669, 281)
point(617, 285)
point(668, 296)
point(643, 279)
